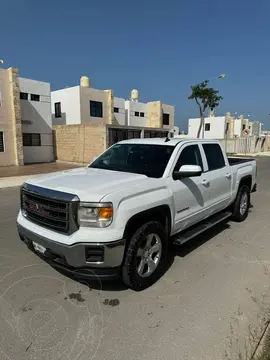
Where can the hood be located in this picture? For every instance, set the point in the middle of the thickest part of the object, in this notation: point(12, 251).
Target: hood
point(88, 183)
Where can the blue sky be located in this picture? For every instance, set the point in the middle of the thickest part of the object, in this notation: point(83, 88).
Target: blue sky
point(158, 47)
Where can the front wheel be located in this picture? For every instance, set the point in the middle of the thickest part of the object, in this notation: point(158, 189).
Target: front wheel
point(145, 256)
point(241, 205)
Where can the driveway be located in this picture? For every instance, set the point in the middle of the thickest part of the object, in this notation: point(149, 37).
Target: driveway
point(212, 289)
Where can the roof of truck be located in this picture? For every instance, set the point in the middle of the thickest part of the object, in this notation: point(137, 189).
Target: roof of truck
point(161, 141)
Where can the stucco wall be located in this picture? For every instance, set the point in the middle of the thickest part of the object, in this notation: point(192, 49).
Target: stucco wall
point(168, 109)
point(70, 106)
point(88, 94)
point(8, 157)
point(154, 110)
point(120, 117)
point(132, 107)
point(36, 118)
point(217, 127)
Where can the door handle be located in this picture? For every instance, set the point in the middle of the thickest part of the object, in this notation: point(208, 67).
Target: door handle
point(228, 176)
point(205, 182)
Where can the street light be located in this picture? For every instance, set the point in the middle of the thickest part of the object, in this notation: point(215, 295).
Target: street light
point(221, 76)
point(1, 62)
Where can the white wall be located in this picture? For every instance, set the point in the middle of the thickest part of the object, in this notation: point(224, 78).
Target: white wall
point(169, 109)
point(132, 120)
point(88, 94)
point(36, 118)
point(120, 117)
point(217, 127)
point(238, 124)
point(176, 130)
point(70, 106)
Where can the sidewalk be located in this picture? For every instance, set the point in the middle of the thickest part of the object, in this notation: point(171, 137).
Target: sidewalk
point(16, 175)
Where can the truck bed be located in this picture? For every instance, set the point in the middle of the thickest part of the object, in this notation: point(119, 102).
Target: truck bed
point(236, 161)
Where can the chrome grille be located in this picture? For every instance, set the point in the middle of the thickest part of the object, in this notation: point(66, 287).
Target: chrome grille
point(50, 209)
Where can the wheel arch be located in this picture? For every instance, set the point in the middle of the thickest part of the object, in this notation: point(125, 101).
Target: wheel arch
point(161, 213)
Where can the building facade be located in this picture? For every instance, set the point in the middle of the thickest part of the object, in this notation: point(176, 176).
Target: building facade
point(36, 121)
point(11, 150)
point(220, 127)
point(25, 120)
point(85, 105)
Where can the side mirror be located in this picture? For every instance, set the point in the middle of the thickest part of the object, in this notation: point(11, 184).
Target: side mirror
point(187, 171)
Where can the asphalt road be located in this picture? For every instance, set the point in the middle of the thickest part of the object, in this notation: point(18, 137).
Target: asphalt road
point(206, 300)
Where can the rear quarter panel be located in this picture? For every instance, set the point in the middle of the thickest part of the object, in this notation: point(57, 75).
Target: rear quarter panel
point(242, 171)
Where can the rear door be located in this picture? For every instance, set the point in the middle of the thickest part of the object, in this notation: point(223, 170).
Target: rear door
point(218, 174)
point(191, 195)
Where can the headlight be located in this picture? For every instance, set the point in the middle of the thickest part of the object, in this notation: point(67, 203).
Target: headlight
point(95, 214)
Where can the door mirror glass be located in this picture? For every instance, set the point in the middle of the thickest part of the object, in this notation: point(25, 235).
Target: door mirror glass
point(187, 171)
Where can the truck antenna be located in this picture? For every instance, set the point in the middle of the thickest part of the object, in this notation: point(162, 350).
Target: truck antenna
point(167, 138)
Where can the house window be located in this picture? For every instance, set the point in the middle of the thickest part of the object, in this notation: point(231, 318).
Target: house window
point(31, 139)
point(57, 110)
point(141, 114)
point(137, 113)
point(2, 148)
point(35, 97)
point(207, 127)
point(23, 96)
point(166, 119)
point(116, 110)
point(243, 127)
point(96, 109)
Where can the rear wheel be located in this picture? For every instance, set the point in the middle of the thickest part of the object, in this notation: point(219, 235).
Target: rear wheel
point(145, 256)
point(241, 205)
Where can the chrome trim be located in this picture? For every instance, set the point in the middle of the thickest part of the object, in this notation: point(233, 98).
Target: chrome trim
point(71, 200)
point(53, 194)
point(96, 204)
point(75, 254)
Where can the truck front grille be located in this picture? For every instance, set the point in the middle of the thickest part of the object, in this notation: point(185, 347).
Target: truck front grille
point(48, 208)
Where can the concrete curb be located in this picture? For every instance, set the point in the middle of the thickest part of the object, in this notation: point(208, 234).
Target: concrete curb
point(14, 181)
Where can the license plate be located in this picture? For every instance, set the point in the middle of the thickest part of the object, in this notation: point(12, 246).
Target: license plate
point(39, 248)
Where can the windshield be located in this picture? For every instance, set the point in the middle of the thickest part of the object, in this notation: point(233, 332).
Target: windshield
point(146, 159)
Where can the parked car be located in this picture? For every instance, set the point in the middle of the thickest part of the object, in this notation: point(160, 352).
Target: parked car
point(117, 217)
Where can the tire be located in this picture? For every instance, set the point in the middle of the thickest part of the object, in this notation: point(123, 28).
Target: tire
point(239, 211)
point(138, 271)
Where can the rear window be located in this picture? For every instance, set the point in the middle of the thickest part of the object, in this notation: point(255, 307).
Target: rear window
point(214, 156)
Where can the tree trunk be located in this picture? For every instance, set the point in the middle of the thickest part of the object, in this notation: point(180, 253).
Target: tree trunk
point(201, 125)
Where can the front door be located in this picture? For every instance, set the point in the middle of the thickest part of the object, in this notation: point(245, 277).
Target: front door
point(191, 195)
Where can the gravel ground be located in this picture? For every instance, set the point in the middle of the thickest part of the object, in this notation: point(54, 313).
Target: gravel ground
point(210, 291)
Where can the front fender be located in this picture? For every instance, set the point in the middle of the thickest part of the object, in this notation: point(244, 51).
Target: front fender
point(134, 204)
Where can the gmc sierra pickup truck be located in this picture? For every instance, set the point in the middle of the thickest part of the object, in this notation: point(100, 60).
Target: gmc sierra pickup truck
point(117, 217)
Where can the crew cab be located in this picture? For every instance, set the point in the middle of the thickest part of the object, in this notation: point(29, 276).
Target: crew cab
point(117, 217)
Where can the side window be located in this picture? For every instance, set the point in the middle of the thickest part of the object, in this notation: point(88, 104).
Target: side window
point(214, 156)
point(190, 155)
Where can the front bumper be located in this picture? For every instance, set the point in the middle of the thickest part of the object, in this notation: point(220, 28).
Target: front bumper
point(91, 260)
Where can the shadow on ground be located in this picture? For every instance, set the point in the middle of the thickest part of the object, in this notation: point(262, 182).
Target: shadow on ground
point(182, 251)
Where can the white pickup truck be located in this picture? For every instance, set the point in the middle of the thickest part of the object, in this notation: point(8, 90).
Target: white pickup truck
point(117, 217)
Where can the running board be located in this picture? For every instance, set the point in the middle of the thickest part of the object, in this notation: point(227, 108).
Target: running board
point(195, 230)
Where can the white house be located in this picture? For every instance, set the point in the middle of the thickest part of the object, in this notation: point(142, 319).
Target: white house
point(214, 127)
point(36, 121)
point(85, 105)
